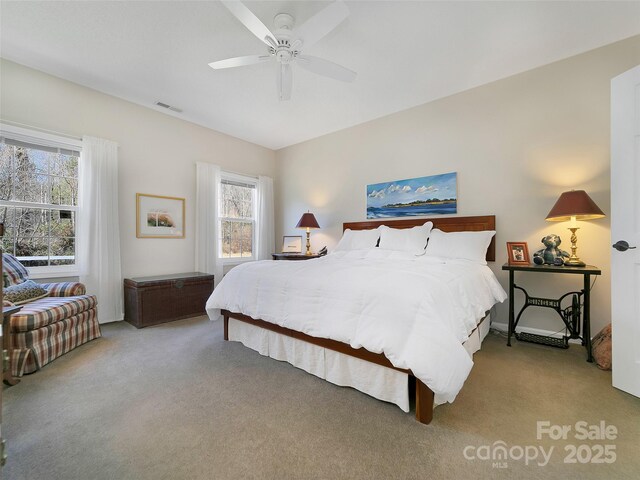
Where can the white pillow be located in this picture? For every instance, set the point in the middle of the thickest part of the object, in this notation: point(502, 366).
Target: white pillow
point(358, 239)
point(411, 240)
point(465, 245)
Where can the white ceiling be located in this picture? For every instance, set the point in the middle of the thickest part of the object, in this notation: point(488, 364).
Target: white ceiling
point(406, 53)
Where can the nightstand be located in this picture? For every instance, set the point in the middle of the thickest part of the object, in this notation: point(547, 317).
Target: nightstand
point(569, 315)
point(293, 256)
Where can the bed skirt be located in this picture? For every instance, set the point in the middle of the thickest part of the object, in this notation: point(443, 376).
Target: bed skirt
point(340, 369)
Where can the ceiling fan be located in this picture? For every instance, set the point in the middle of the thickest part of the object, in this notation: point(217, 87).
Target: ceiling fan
point(285, 45)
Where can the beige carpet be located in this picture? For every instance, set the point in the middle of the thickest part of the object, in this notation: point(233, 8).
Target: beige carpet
point(177, 402)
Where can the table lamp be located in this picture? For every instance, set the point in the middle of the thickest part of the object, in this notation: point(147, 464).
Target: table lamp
point(308, 221)
point(574, 205)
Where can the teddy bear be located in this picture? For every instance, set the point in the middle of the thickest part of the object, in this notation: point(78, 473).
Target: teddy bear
point(551, 255)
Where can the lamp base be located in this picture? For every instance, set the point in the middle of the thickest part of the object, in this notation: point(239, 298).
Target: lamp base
point(575, 262)
point(308, 243)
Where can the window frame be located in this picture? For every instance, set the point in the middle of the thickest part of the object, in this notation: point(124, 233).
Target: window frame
point(249, 180)
point(46, 139)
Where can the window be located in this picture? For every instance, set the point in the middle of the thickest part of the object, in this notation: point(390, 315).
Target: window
point(237, 215)
point(39, 200)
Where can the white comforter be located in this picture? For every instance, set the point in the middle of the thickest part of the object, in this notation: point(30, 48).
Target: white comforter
point(416, 310)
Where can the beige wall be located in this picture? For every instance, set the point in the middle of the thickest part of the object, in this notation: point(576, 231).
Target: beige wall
point(157, 154)
point(516, 145)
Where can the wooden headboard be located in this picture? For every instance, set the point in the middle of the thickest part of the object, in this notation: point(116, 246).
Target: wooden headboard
point(446, 224)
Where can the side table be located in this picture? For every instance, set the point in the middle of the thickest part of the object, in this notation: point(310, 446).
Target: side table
point(293, 256)
point(570, 315)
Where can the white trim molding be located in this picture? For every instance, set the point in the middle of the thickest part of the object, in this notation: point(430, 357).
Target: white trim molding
point(33, 135)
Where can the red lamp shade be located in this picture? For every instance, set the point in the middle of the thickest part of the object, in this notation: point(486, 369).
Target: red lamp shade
point(308, 221)
point(575, 203)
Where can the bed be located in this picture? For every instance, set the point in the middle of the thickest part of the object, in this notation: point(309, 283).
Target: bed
point(326, 317)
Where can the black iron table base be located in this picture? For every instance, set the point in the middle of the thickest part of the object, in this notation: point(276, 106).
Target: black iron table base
point(576, 316)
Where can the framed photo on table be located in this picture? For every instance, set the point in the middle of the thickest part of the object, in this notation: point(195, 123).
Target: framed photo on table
point(292, 244)
point(159, 217)
point(518, 253)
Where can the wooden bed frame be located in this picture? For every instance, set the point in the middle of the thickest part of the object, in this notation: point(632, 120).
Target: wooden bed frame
point(423, 394)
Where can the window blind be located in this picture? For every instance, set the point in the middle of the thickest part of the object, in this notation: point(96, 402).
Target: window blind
point(224, 181)
point(36, 146)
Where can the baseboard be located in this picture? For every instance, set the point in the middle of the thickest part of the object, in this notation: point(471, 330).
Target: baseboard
point(504, 327)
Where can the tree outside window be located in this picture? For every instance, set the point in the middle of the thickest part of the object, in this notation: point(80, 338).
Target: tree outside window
point(38, 202)
point(237, 219)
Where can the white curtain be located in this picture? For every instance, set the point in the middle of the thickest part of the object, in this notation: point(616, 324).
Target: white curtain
point(265, 238)
point(207, 186)
point(98, 235)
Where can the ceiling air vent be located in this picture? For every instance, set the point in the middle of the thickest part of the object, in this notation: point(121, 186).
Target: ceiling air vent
point(164, 105)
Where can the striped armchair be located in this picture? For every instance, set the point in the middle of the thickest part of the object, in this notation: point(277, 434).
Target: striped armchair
point(49, 327)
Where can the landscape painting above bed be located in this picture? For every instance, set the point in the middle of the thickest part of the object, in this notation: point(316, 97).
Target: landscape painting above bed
point(435, 194)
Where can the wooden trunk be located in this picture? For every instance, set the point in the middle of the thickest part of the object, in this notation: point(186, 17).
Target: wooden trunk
point(165, 298)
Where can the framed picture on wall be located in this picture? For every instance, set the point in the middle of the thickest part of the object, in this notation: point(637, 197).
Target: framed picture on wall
point(431, 195)
point(159, 217)
point(292, 244)
point(518, 253)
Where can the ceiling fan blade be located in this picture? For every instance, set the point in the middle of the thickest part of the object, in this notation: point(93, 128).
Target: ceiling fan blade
point(249, 20)
point(322, 23)
point(326, 68)
point(239, 61)
point(284, 82)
